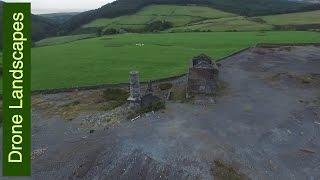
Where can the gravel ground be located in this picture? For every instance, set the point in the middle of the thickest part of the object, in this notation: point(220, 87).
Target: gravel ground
point(265, 124)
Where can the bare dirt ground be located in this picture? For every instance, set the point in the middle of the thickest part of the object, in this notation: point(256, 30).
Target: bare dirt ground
point(265, 124)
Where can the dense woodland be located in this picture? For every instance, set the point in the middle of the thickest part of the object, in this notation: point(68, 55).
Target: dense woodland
point(43, 27)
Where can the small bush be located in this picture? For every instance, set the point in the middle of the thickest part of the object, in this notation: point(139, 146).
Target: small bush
point(257, 20)
point(158, 26)
point(99, 31)
point(110, 31)
point(165, 86)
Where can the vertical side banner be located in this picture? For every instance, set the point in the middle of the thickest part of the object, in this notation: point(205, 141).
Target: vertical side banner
point(16, 89)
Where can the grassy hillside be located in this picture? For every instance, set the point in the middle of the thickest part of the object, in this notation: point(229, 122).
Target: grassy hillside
point(108, 59)
point(178, 15)
point(311, 17)
point(197, 18)
point(242, 7)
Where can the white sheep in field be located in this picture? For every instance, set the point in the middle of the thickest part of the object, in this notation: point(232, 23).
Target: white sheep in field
point(140, 44)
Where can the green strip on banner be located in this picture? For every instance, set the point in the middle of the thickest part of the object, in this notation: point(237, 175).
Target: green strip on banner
point(16, 89)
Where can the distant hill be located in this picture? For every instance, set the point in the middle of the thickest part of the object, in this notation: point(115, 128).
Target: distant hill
point(241, 7)
point(59, 17)
point(182, 17)
point(178, 15)
point(41, 27)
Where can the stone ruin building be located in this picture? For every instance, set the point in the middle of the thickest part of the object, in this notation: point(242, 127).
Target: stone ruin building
point(202, 76)
point(201, 79)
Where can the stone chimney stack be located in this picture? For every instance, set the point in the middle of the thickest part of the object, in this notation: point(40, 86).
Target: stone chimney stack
point(135, 92)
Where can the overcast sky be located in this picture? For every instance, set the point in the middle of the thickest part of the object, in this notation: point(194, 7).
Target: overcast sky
point(53, 6)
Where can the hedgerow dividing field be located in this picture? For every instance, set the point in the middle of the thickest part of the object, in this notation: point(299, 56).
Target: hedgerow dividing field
point(224, 24)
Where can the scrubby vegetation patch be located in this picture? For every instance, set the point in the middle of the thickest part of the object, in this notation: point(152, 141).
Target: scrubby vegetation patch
point(154, 106)
point(165, 86)
point(223, 171)
point(117, 97)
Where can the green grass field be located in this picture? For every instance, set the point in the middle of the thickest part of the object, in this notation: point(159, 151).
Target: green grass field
point(312, 17)
point(109, 59)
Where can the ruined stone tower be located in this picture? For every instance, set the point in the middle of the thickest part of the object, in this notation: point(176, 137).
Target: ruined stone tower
point(135, 93)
